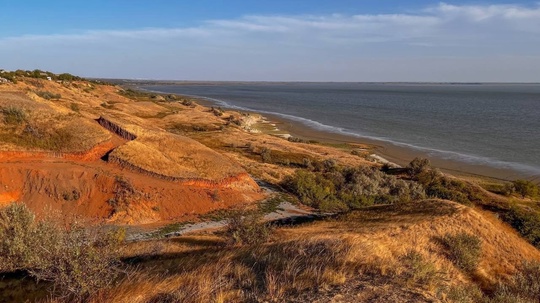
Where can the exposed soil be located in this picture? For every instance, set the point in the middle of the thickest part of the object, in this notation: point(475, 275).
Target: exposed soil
point(85, 184)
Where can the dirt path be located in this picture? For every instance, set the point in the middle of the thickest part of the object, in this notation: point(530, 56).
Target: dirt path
point(286, 213)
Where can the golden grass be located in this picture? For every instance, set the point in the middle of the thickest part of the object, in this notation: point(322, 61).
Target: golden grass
point(364, 254)
point(47, 128)
point(176, 156)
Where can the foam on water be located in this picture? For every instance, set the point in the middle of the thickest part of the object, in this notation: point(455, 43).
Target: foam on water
point(468, 158)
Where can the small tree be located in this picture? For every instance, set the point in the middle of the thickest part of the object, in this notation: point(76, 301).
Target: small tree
point(525, 188)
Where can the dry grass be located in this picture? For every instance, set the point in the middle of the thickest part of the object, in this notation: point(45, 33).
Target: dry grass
point(393, 247)
point(244, 274)
point(183, 157)
point(381, 254)
point(33, 126)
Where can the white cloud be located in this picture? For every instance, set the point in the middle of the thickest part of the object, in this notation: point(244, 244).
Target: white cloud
point(296, 47)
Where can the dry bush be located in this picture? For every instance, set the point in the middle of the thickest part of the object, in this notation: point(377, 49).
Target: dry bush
point(465, 294)
point(418, 272)
point(13, 115)
point(48, 95)
point(246, 227)
point(418, 166)
point(124, 194)
point(301, 265)
point(524, 286)
point(262, 273)
point(464, 250)
point(77, 261)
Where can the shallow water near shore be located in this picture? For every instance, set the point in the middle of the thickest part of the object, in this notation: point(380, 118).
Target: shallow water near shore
point(491, 129)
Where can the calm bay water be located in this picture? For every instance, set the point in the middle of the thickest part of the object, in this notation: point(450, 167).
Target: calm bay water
point(496, 125)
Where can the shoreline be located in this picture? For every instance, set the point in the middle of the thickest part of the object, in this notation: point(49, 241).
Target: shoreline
point(393, 153)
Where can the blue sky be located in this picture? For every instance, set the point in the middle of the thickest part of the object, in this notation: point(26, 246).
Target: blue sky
point(315, 40)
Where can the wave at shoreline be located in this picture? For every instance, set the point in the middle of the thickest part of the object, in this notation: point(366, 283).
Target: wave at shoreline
point(442, 154)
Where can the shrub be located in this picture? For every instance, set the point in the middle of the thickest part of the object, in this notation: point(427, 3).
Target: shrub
point(246, 227)
point(331, 188)
point(217, 111)
point(466, 294)
point(310, 188)
point(526, 221)
point(266, 155)
point(48, 95)
point(464, 250)
point(439, 186)
point(525, 188)
point(73, 195)
point(68, 77)
point(13, 115)
point(75, 107)
point(187, 102)
point(418, 271)
point(75, 260)
point(124, 194)
point(417, 166)
point(524, 286)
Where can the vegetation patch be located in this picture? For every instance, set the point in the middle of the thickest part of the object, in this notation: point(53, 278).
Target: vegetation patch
point(13, 115)
point(526, 221)
point(73, 195)
point(246, 227)
point(48, 95)
point(464, 250)
point(440, 186)
point(38, 136)
point(124, 194)
point(332, 188)
point(76, 261)
point(525, 188)
point(418, 272)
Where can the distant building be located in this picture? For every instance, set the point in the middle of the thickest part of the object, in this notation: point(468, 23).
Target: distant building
point(49, 78)
point(3, 80)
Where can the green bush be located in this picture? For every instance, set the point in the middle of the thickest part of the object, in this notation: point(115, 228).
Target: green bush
point(440, 186)
point(14, 115)
point(525, 188)
point(332, 188)
point(48, 95)
point(68, 77)
point(77, 261)
point(464, 250)
point(526, 221)
point(246, 227)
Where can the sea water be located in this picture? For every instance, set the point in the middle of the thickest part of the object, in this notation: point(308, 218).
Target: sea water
point(487, 124)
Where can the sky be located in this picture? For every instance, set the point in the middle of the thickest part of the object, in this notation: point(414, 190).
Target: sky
point(279, 40)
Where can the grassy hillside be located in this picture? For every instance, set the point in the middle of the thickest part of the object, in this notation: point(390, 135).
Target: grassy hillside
point(84, 166)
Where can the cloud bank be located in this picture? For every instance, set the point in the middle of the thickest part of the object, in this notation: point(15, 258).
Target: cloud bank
point(444, 42)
